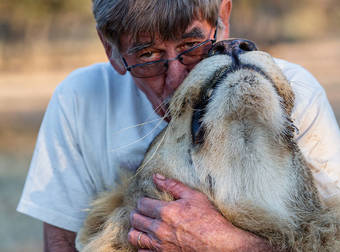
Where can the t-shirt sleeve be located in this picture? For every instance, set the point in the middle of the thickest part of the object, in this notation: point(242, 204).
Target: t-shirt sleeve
point(319, 135)
point(58, 186)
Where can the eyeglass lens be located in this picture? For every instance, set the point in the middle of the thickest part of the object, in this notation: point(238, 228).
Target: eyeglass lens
point(189, 57)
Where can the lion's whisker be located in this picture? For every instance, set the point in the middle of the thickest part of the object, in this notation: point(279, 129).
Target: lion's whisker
point(146, 135)
point(138, 140)
point(148, 120)
point(137, 125)
point(153, 154)
point(164, 102)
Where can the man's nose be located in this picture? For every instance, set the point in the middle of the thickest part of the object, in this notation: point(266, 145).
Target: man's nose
point(232, 47)
point(175, 74)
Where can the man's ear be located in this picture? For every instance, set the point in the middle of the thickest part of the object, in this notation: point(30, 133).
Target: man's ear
point(224, 15)
point(116, 63)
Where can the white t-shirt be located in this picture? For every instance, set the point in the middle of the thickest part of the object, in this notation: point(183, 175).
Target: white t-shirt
point(98, 121)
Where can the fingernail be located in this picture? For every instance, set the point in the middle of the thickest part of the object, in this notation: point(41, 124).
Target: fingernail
point(159, 176)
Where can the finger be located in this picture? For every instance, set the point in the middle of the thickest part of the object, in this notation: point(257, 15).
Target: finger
point(141, 240)
point(150, 207)
point(144, 223)
point(174, 187)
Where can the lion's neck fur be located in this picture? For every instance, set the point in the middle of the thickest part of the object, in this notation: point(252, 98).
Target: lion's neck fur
point(233, 170)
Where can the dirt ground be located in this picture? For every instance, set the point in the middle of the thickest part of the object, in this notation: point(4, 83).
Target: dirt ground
point(24, 96)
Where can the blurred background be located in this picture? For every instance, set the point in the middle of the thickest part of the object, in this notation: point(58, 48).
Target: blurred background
point(41, 41)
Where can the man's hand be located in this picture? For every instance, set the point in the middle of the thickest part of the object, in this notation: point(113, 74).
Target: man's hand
point(58, 239)
point(190, 223)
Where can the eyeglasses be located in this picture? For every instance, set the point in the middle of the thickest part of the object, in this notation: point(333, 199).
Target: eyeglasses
point(188, 57)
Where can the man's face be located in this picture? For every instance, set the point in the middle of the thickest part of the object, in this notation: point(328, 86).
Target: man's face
point(159, 88)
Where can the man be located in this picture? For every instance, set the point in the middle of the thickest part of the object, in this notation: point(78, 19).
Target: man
point(101, 119)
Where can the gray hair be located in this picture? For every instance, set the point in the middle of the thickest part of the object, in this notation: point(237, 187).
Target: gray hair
point(166, 18)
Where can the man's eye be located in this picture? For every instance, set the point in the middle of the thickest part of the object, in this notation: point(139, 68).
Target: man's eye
point(189, 45)
point(146, 55)
point(149, 56)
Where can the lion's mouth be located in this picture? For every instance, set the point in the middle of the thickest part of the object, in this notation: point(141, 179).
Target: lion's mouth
point(198, 129)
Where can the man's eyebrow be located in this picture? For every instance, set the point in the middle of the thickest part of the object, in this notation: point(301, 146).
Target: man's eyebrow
point(194, 33)
point(138, 46)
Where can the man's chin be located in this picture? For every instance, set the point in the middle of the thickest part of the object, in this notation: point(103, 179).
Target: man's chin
point(167, 118)
point(163, 109)
point(163, 112)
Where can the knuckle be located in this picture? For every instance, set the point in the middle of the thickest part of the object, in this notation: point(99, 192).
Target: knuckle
point(132, 217)
point(130, 236)
point(197, 195)
point(173, 185)
point(140, 203)
point(149, 244)
point(157, 247)
point(154, 244)
point(160, 230)
point(187, 204)
point(169, 211)
point(155, 226)
point(165, 234)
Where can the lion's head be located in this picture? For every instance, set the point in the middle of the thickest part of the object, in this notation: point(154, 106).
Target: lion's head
point(227, 86)
point(230, 119)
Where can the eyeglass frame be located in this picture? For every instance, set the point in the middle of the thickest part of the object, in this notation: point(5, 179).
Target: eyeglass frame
point(166, 61)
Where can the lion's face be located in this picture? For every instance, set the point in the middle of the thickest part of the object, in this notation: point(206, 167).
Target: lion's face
point(221, 90)
point(228, 118)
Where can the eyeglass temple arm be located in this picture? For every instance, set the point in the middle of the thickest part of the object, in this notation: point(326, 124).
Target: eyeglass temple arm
point(125, 64)
point(215, 33)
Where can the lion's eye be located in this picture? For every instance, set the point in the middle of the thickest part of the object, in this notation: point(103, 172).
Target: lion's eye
point(197, 129)
point(209, 92)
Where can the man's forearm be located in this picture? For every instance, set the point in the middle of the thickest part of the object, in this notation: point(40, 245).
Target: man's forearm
point(58, 239)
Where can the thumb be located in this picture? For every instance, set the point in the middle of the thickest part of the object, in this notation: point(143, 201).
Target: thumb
point(174, 187)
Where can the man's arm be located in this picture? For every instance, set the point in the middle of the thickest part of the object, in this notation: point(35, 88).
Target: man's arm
point(190, 223)
point(58, 239)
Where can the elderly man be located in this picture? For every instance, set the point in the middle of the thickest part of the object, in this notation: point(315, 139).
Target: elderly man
point(87, 134)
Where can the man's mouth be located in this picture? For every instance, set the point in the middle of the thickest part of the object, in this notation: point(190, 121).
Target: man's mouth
point(165, 108)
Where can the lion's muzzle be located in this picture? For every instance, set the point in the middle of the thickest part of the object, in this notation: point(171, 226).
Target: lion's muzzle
point(233, 48)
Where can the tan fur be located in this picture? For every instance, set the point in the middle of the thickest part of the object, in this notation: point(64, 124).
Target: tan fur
point(246, 161)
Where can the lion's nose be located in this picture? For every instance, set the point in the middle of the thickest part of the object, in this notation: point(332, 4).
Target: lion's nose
point(232, 47)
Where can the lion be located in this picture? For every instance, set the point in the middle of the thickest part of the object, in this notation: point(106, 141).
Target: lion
point(231, 137)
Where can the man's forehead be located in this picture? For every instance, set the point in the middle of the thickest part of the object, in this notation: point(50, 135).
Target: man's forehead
point(197, 29)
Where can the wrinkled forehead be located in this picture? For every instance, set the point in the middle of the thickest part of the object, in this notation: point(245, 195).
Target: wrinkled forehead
point(198, 30)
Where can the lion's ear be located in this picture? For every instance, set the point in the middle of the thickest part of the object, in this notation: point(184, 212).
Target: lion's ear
point(224, 15)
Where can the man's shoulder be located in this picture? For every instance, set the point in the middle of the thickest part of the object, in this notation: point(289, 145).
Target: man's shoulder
point(301, 79)
point(86, 77)
point(92, 70)
point(93, 78)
